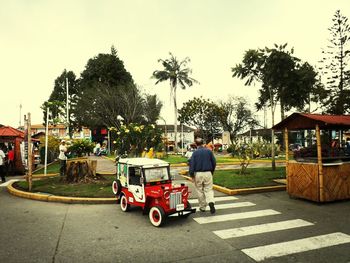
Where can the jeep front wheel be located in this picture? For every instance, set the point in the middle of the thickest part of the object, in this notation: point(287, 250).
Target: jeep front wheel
point(156, 216)
point(124, 206)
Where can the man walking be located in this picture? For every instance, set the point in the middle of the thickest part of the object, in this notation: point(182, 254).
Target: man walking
point(202, 167)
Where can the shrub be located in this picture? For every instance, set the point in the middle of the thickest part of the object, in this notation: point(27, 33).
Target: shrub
point(53, 144)
point(134, 138)
point(81, 147)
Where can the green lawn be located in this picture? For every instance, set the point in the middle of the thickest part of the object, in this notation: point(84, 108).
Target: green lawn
point(255, 177)
point(175, 159)
point(51, 169)
point(53, 185)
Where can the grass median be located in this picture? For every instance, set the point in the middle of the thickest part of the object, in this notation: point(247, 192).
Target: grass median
point(55, 186)
point(255, 177)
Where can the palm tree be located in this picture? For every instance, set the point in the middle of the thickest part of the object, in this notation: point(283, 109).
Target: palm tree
point(178, 75)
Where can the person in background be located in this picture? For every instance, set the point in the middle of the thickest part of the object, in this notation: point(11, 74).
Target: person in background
point(97, 149)
point(347, 147)
point(10, 160)
point(202, 167)
point(188, 154)
point(2, 165)
point(62, 157)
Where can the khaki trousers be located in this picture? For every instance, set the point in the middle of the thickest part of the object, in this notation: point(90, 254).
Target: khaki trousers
point(203, 182)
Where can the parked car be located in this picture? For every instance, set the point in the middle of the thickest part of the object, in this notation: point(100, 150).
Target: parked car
point(147, 183)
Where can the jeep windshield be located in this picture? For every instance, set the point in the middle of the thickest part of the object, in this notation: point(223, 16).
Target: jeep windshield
point(156, 174)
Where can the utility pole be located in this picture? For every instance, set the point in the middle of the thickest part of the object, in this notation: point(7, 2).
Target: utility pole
point(67, 106)
point(182, 139)
point(30, 154)
point(46, 138)
point(165, 135)
point(20, 115)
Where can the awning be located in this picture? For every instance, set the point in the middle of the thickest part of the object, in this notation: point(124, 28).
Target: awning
point(7, 131)
point(305, 121)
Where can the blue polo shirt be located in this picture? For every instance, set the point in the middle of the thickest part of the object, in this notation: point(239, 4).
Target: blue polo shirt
point(202, 160)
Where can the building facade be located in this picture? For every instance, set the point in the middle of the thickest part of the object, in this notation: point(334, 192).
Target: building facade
point(60, 131)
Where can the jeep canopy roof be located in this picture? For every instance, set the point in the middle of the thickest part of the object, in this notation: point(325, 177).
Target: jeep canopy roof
point(144, 162)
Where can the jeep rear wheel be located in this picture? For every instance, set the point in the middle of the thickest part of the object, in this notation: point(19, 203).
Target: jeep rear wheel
point(156, 216)
point(124, 205)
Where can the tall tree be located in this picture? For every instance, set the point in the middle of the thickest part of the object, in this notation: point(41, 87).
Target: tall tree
point(334, 66)
point(152, 108)
point(281, 79)
point(236, 116)
point(203, 114)
point(102, 86)
point(178, 74)
point(57, 100)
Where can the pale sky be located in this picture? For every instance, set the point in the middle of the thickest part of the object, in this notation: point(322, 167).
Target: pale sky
point(41, 38)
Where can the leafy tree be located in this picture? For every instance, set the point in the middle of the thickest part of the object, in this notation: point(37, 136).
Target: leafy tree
point(103, 87)
point(57, 100)
point(236, 116)
point(281, 78)
point(203, 114)
point(334, 67)
point(178, 74)
point(152, 108)
point(105, 68)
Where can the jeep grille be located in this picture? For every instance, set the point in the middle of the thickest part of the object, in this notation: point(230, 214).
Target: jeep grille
point(175, 199)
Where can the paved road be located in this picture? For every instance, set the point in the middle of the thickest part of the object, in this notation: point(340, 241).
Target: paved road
point(271, 227)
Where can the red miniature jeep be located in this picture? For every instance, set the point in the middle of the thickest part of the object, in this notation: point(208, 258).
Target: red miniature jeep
point(147, 183)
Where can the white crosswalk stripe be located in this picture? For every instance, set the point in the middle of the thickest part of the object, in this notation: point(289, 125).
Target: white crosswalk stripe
point(263, 228)
point(216, 199)
point(231, 205)
point(235, 216)
point(296, 246)
point(261, 253)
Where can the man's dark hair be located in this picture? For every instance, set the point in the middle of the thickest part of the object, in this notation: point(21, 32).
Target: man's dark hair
point(199, 141)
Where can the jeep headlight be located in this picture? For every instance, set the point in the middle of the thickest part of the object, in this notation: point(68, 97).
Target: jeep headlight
point(166, 195)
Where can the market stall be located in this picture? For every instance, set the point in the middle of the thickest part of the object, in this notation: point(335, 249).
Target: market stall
point(325, 175)
point(13, 137)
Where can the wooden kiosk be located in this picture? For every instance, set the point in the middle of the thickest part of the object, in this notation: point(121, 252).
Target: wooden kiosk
point(321, 178)
point(14, 137)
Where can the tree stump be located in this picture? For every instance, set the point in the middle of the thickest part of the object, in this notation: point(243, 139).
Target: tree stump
point(81, 170)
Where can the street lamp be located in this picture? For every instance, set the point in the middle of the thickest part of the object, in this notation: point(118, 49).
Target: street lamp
point(166, 135)
point(182, 139)
point(67, 107)
point(46, 138)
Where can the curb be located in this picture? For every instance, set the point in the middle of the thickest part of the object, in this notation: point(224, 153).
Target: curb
point(60, 199)
point(244, 190)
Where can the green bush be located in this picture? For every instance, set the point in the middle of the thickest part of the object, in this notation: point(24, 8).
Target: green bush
point(231, 148)
point(53, 144)
point(134, 138)
point(81, 147)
